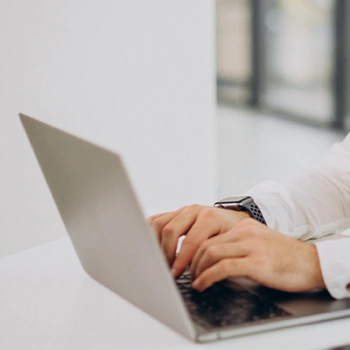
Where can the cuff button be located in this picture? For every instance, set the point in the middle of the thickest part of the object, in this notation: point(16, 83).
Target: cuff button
point(348, 287)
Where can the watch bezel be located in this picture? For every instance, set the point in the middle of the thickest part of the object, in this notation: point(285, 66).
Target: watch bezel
point(233, 202)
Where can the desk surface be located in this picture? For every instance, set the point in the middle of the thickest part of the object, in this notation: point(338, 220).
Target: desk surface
point(48, 302)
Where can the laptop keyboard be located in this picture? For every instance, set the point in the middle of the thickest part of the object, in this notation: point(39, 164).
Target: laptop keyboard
point(223, 306)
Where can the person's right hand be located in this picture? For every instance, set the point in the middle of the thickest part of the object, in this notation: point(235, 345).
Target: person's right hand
point(198, 223)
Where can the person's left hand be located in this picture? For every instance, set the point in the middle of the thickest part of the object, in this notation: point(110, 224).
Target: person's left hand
point(261, 254)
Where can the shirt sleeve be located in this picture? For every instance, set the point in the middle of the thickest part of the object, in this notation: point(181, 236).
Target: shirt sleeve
point(313, 205)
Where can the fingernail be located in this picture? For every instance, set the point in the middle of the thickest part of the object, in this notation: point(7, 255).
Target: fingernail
point(173, 272)
point(195, 284)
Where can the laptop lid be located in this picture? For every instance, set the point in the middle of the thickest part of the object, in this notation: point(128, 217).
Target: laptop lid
point(103, 218)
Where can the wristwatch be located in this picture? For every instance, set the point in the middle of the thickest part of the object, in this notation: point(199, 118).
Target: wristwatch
point(242, 203)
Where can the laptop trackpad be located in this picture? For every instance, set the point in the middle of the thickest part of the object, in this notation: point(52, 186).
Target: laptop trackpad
point(298, 304)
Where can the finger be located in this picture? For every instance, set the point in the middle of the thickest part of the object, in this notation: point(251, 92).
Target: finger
point(224, 269)
point(172, 231)
point(151, 218)
point(199, 232)
point(158, 221)
point(230, 236)
point(217, 252)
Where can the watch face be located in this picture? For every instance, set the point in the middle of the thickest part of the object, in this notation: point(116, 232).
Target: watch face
point(236, 199)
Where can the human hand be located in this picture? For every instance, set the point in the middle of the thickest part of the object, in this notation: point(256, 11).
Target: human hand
point(198, 223)
point(261, 254)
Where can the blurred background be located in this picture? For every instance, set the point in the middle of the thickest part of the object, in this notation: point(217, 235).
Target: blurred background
point(203, 98)
point(282, 75)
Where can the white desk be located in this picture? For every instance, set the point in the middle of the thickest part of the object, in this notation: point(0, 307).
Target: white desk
point(48, 302)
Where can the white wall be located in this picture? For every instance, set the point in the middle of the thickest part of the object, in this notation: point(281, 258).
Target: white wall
point(136, 76)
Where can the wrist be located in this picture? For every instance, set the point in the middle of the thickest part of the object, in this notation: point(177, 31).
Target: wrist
point(243, 204)
point(241, 215)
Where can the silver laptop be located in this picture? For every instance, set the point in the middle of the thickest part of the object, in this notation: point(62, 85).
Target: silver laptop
point(117, 248)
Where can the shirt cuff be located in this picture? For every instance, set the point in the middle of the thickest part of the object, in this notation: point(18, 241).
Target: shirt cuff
point(334, 256)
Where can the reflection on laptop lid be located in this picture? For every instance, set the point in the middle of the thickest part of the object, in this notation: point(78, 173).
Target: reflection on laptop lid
point(117, 248)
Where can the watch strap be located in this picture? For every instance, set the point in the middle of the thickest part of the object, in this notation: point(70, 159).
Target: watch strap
point(254, 211)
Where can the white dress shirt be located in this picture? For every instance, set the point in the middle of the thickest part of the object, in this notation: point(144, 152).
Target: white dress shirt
point(316, 205)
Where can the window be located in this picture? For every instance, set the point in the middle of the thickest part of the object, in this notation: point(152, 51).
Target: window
point(234, 50)
point(299, 56)
point(287, 56)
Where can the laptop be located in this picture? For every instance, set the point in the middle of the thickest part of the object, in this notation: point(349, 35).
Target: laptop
point(117, 248)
